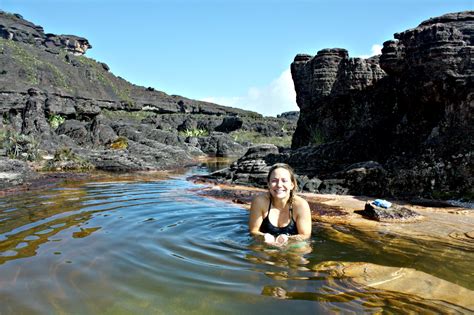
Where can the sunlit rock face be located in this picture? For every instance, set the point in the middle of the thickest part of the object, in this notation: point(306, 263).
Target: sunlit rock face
point(319, 83)
point(409, 109)
point(73, 44)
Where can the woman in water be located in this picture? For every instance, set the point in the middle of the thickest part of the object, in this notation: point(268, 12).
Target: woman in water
point(280, 215)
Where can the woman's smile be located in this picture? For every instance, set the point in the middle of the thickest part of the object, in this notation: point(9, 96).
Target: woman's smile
point(280, 183)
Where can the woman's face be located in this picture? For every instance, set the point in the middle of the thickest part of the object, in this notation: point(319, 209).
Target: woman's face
point(280, 184)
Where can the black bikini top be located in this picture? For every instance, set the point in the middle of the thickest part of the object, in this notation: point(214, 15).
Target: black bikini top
point(268, 227)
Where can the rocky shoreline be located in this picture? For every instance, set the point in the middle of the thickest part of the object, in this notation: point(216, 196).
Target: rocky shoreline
point(451, 224)
point(398, 125)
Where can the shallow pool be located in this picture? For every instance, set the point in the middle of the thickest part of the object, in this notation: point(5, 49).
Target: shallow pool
point(155, 247)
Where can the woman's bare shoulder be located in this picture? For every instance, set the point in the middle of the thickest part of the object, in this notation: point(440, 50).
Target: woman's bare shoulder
point(300, 202)
point(260, 199)
point(299, 199)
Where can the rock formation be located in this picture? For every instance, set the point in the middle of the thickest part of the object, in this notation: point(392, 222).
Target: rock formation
point(399, 124)
point(14, 27)
point(409, 111)
point(50, 91)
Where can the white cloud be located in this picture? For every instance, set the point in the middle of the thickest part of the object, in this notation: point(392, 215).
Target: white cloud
point(277, 97)
point(376, 50)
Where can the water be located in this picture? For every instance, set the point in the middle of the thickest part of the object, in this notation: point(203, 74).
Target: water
point(156, 247)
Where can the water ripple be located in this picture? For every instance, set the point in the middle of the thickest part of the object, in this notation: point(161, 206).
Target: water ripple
point(155, 247)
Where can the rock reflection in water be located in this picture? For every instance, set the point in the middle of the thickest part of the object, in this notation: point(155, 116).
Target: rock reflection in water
point(360, 286)
point(400, 289)
point(426, 254)
point(26, 228)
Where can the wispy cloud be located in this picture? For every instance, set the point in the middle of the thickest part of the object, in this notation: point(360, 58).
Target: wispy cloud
point(376, 50)
point(277, 97)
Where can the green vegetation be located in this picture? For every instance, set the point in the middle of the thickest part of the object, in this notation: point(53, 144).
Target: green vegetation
point(20, 146)
point(316, 137)
point(56, 120)
point(120, 143)
point(30, 65)
point(25, 59)
point(195, 133)
point(66, 160)
point(137, 116)
point(254, 137)
point(98, 73)
point(59, 79)
point(3, 137)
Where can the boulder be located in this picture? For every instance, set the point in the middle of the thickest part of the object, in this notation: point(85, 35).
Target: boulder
point(14, 172)
point(394, 213)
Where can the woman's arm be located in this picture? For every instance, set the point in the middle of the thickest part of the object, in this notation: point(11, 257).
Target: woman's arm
point(303, 220)
point(256, 215)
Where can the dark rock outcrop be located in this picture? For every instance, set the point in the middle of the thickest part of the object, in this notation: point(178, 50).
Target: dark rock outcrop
point(14, 27)
point(408, 110)
point(293, 115)
point(251, 169)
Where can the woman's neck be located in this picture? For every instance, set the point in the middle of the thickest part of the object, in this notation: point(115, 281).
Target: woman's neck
point(279, 203)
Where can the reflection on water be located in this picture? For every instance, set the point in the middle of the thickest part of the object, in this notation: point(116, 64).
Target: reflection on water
point(152, 247)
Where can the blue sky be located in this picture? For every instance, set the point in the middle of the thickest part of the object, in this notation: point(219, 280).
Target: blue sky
point(231, 52)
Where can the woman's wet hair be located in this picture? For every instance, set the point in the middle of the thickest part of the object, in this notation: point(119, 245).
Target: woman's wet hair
point(292, 177)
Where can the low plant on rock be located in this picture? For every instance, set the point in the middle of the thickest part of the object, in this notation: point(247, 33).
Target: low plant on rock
point(3, 137)
point(56, 120)
point(120, 143)
point(66, 160)
point(316, 137)
point(195, 133)
point(20, 146)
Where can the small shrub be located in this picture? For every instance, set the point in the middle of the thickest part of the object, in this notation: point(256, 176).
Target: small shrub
point(195, 133)
point(20, 146)
point(316, 137)
point(56, 120)
point(120, 143)
point(3, 137)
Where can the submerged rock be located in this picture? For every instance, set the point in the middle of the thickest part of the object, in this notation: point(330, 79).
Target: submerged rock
point(400, 284)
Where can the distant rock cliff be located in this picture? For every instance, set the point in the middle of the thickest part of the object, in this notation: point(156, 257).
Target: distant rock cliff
point(410, 110)
point(15, 28)
point(53, 93)
point(55, 65)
